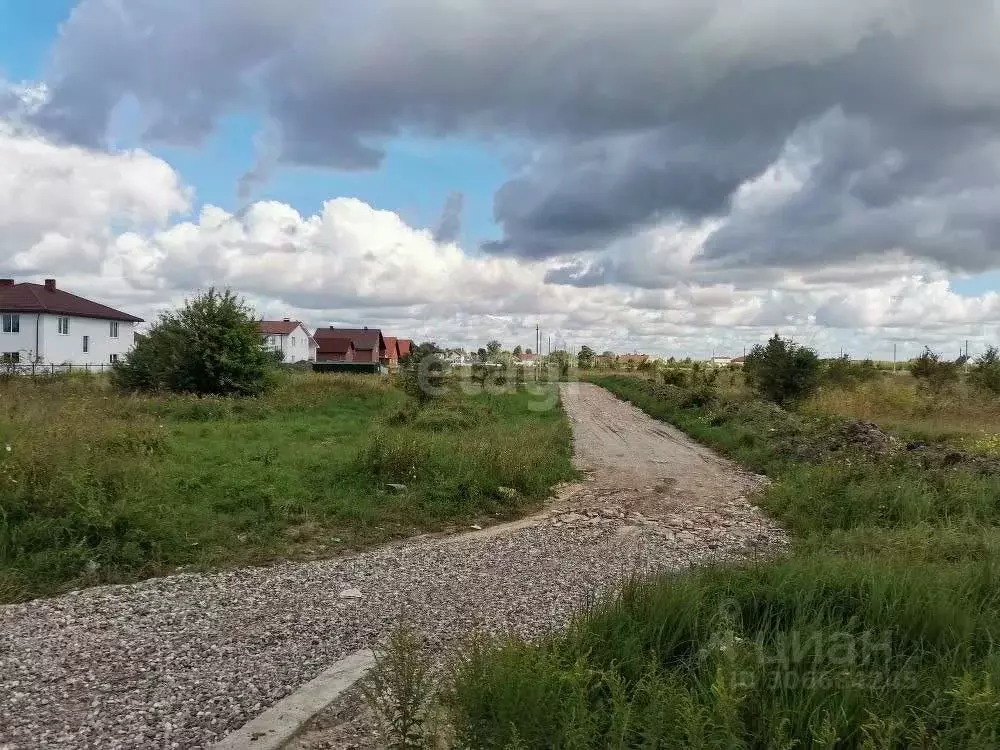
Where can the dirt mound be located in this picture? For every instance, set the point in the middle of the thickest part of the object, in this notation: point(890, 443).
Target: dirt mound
point(942, 457)
point(866, 436)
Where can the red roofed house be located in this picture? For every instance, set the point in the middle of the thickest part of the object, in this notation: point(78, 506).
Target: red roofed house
point(290, 338)
point(42, 323)
point(405, 346)
point(391, 358)
point(367, 345)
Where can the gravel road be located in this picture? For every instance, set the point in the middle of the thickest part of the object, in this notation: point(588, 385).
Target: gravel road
point(177, 662)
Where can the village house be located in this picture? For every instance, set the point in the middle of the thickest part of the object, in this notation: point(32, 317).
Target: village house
point(391, 357)
point(290, 338)
point(367, 345)
point(527, 359)
point(40, 323)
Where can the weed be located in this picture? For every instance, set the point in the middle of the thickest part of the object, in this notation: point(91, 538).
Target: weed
point(400, 689)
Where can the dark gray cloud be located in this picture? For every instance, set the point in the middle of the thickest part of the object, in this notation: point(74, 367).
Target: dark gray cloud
point(449, 226)
point(634, 112)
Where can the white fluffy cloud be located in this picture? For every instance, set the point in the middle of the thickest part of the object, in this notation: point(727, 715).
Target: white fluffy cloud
point(115, 226)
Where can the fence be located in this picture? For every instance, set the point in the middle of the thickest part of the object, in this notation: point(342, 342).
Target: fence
point(39, 369)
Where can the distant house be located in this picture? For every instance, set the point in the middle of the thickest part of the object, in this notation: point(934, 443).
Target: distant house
point(720, 361)
point(290, 338)
point(391, 357)
point(336, 350)
point(739, 361)
point(405, 347)
point(528, 359)
point(40, 323)
point(367, 345)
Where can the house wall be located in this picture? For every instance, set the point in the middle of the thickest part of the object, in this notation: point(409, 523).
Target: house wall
point(58, 349)
point(55, 348)
point(295, 346)
point(23, 342)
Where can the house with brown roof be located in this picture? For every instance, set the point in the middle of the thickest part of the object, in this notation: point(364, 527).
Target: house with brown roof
point(40, 323)
point(367, 345)
point(290, 338)
point(405, 347)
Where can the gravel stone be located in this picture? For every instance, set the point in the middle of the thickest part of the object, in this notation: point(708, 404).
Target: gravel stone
point(181, 661)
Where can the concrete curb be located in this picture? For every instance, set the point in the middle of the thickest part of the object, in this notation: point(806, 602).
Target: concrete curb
point(280, 723)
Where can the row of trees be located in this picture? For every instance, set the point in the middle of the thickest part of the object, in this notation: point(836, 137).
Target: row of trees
point(783, 371)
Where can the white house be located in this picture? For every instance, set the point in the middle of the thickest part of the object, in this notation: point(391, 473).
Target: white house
point(290, 338)
point(40, 323)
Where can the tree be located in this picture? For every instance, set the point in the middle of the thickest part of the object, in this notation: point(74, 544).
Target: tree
point(585, 357)
point(494, 347)
point(528, 351)
point(517, 351)
point(782, 371)
point(986, 370)
point(561, 359)
point(211, 345)
point(423, 372)
point(934, 372)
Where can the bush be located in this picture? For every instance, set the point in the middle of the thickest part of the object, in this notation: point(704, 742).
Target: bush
point(423, 374)
point(676, 377)
point(985, 372)
point(843, 372)
point(210, 346)
point(934, 372)
point(782, 371)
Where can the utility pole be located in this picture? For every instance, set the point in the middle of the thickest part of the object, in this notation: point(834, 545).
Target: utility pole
point(894, 358)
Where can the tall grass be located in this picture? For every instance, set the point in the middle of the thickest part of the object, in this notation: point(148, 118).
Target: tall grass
point(880, 632)
point(899, 403)
point(816, 652)
point(99, 487)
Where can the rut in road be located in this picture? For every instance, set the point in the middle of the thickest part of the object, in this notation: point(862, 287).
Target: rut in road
point(179, 661)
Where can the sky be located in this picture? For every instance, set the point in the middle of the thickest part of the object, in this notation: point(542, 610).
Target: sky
point(677, 177)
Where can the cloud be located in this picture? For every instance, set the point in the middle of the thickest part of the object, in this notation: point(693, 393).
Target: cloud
point(632, 114)
point(62, 203)
point(115, 226)
point(449, 226)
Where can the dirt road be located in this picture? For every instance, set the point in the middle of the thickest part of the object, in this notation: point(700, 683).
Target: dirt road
point(622, 447)
point(177, 662)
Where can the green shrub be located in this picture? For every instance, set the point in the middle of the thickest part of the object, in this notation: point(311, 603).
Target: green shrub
point(934, 372)
point(782, 371)
point(676, 377)
point(985, 372)
point(843, 372)
point(210, 346)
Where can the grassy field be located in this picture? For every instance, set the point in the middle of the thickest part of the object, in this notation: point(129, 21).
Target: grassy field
point(99, 487)
point(881, 630)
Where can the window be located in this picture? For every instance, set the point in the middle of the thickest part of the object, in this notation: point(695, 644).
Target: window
point(293, 341)
point(11, 358)
point(11, 323)
point(86, 343)
point(64, 326)
point(114, 358)
point(114, 329)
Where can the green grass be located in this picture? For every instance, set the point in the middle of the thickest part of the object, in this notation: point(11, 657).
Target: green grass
point(99, 487)
point(879, 631)
point(821, 651)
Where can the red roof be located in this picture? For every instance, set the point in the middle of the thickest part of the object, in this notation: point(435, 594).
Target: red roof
point(279, 327)
point(391, 347)
point(404, 346)
point(38, 298)
point(527, 356)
